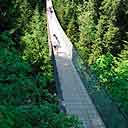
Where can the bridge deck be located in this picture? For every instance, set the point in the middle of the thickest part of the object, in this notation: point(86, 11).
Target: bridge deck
point(76, 98)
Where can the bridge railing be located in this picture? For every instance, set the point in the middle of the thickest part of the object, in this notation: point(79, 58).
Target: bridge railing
point(57, 83)
point(55, 72)
point(108, 110)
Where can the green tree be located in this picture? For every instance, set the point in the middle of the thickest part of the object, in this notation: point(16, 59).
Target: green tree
point(35, 42)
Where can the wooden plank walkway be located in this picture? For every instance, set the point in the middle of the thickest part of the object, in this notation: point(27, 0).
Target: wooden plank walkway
point(76, 98)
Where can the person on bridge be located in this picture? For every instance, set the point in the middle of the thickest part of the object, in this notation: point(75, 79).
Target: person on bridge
point(50, 10)
point(56, 43)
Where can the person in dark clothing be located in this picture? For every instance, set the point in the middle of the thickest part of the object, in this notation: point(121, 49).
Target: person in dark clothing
point(56, 43)
point(50, 10)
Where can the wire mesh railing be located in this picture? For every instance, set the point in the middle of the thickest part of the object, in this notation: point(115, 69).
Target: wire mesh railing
point(107, 109)
point(57, 83)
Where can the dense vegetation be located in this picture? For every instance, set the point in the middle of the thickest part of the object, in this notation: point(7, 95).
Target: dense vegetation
point(99, 31)
point(27, 90)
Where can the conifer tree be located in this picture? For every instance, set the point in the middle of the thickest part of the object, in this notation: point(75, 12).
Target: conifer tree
point(87, 28)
